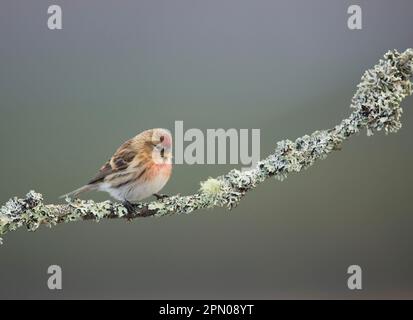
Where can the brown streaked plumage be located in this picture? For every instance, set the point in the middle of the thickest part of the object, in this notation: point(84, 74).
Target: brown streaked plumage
point(140, 167)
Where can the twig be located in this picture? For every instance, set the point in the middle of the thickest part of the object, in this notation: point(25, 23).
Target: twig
point(376, 105)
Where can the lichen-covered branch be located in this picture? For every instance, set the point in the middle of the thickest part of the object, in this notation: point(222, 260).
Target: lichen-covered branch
point(376, 107)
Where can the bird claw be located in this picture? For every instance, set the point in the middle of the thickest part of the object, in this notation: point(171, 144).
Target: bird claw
point(160, 196)
point(129, 206)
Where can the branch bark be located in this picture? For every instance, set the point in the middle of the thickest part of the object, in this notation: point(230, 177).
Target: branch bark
point(376, 107)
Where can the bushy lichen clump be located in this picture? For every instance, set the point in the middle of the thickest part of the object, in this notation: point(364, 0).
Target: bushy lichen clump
point(376, 106)
point(18, 212)
point(377, 100)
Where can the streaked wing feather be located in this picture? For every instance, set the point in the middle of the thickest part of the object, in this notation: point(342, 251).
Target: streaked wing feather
point(119, 162)
point(103, 172)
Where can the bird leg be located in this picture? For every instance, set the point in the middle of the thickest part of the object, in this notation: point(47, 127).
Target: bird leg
point(160, 196)
point(129, 206)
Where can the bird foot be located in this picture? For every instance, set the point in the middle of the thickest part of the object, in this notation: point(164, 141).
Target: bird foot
point(159, 196)
point(129, 206)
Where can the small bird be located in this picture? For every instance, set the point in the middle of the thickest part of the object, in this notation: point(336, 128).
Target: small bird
point(140, 167)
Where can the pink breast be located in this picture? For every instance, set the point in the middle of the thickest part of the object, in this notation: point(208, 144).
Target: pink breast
point(159, 169)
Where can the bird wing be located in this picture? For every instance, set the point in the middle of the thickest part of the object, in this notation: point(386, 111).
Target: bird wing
point(118, 163)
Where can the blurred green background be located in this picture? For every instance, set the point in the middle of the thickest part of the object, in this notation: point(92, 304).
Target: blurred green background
point(68, 98)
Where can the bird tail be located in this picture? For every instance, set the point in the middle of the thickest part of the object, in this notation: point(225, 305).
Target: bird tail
point(76, 192)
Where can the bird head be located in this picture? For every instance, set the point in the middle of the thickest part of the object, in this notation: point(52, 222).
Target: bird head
point(161, 141)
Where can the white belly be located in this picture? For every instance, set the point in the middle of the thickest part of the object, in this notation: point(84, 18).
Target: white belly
point(134, 192)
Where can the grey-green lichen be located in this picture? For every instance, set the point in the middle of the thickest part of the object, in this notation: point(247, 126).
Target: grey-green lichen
point(212, 187)
point(376, 107)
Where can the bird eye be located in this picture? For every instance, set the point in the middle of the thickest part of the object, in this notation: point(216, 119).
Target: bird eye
point(162, 138)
